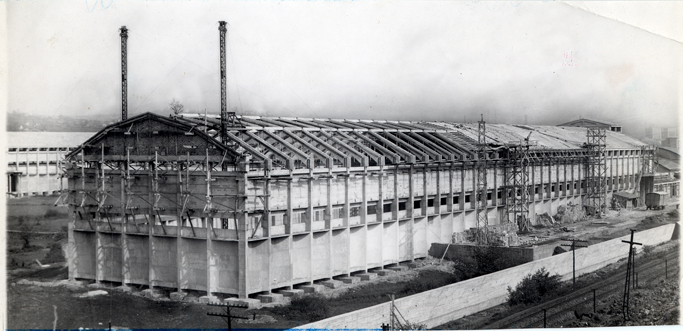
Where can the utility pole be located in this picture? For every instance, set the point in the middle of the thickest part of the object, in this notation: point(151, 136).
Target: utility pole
point(574, 246)
point(124, 73)
point(227, 313)
point(629, 266)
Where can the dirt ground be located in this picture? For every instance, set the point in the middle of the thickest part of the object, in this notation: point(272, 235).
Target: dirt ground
point(41, 298)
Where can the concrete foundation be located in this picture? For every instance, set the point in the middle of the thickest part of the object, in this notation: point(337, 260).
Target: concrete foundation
point(292, 293)
point(270, 298)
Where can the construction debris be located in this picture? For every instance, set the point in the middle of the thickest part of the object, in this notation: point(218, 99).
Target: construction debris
point(570, 213)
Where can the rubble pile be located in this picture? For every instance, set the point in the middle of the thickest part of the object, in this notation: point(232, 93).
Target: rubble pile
point(570, 213)
point(544, 220)
point(498, 235)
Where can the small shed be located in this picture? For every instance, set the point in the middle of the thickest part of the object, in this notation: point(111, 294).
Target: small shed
point(624, 200)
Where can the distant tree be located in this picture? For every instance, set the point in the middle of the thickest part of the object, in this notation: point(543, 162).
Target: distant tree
point(176, 107)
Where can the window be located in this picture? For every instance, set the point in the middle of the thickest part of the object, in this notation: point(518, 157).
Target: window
point(417, 204)
point(386, 208)
point(276, 219)
point(456, 200)
point(402, 205)
point(488, 196)
point(337, 212)
point(430, 202)
point(372, 209)
point(354, 211)
point(467, 198)
point(298, 217)
point(318, 215)
point(443, 201)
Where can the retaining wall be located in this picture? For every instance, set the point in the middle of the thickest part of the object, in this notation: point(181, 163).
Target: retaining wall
point(444, 304)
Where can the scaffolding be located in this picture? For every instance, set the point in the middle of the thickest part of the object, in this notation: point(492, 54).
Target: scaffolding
point(649, 154)
point(596, 184)
point(481, 187)
point(517, 186)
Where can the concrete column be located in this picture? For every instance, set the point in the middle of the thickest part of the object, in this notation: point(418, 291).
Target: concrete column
point(347, 223)
point(449, 199)
point(309, 208)
point(209, 256)
point(411, 195)
point(309, 229)
point(425, 196)
point(99, 247)
point(150, 226)
point(328, 225)
point(379, 210)
point(473, 196)
point(532, 193)
point(125, 253)
point(461, 200)
point(71, 245)
point(179, 225)
point(290, 208)
point(242, 229)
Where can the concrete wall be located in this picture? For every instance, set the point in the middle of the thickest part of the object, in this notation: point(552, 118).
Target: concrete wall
point(265, 255)
point(451, 302)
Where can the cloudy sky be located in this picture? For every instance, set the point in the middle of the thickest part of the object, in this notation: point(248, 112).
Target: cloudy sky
point(540, 62)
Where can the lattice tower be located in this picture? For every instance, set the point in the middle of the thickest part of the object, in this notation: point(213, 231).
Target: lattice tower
point(596, 184)
point(517, 186)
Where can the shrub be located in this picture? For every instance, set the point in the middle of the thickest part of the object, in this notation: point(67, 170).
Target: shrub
point(306, 308)
point(534, 287)
point(427, 280)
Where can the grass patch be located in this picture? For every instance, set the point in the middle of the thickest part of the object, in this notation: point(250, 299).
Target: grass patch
point(306, 308)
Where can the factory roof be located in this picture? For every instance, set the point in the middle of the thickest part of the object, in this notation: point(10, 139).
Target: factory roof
point(292, 142)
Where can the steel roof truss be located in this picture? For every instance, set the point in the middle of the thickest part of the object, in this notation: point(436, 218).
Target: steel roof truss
point(409, 157)
point(301, 154)
point(327, 158)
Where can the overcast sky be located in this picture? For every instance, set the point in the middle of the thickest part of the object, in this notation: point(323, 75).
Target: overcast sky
point(543, 62)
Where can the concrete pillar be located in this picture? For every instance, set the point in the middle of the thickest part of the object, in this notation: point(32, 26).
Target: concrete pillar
point(150, 225)
point(347, 223)
point(71, 244)
point(125, 253)
point(242, 229)
point(179, 225)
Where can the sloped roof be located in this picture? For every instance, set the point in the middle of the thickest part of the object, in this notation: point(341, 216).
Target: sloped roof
point(290, 142)
point(587, 121)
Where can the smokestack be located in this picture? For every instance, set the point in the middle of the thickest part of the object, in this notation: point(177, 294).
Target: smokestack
point(124, 73)
point(224, 106)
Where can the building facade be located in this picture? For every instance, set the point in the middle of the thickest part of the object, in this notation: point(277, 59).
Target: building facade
point(34, 161)
point(272, 203)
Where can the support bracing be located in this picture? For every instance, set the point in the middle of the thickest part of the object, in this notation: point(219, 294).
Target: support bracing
point(481, 187)
point(596, 183)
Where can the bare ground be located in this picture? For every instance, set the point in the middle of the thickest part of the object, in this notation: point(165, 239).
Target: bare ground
point(41, 298)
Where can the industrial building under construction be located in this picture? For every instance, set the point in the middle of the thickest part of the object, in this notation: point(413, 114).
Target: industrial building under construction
point(242, 205)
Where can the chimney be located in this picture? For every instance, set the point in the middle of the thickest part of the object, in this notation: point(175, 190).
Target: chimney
point(224, 107)
point(124, 73)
